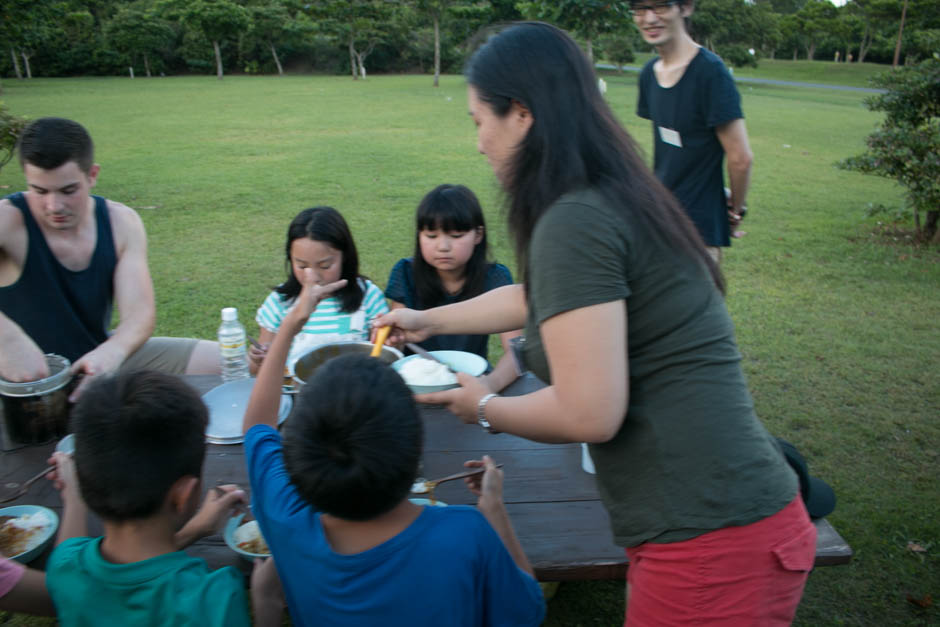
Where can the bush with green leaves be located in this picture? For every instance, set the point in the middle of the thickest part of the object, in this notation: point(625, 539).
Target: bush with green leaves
point(10, 128)
point(906, 146)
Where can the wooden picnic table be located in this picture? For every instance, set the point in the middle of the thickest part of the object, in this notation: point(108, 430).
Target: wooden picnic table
point(553, 504)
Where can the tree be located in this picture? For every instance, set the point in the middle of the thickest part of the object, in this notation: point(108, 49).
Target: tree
point(358, 24)
point(586, 18)
point(435, 9)
point(815, 20)
point(271, 23)
point(136, 30)
point(906, 145)
point(218, 20)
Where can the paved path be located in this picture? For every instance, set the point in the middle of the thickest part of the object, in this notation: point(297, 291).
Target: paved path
point(768, 81)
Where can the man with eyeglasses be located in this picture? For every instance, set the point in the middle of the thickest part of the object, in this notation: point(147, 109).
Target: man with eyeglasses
point(689, 95)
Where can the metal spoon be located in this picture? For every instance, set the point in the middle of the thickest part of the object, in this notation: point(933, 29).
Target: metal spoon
point(422, 487)
point(427, 355)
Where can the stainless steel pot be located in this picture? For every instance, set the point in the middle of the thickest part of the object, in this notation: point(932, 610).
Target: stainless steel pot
point(308, 364)
point(36, 411)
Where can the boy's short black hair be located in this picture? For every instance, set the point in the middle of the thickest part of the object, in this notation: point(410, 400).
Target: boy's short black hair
point(353, 442)
point(49, 143)
point(136, 433)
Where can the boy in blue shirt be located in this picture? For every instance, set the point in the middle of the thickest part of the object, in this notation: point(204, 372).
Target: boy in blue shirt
point(139, 449)
point(332, 503)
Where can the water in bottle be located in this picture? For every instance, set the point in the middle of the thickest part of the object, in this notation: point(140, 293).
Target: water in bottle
point(232, 346)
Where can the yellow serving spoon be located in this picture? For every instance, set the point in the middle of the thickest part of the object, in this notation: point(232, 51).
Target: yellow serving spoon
point(380, 337)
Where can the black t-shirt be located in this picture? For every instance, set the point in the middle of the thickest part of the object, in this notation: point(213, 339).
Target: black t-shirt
point(688, 156)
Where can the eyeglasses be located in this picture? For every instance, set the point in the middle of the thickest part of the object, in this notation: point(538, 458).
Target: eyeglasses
point(660, 8)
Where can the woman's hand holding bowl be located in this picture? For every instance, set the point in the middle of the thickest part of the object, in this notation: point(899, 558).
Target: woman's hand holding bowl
point(461, 401)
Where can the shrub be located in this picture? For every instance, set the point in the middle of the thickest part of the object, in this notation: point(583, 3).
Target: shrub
point(906, 145)
point(10, 128)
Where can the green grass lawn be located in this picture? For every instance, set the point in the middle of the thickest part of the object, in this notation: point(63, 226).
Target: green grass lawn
point(836, 314)
point(802, 71)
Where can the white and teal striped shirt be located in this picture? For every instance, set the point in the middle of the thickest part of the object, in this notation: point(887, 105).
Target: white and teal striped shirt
point(328, 323)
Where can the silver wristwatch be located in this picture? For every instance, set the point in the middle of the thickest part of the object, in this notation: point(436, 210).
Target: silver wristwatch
point(481, 413)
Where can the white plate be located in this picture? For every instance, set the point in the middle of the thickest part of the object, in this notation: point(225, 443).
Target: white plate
point(428, 503)
point(227, 404)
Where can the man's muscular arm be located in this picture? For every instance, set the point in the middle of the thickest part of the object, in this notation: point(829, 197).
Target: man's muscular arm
point(20, 358)
point(733, 138)
point(133, 294)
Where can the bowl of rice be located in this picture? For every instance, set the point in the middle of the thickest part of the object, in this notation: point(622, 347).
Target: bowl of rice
point(26, 531)
point(245, 538)
point(424, 376)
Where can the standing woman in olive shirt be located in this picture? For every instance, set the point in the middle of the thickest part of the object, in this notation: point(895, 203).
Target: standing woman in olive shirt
point(625, 321)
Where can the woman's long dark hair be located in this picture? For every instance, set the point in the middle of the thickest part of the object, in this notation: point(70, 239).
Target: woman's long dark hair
point(449, 208)
point(325, 224)
point(575, 141)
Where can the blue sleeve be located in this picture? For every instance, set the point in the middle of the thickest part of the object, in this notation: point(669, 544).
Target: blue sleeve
point(273, 496)
point(400, 286)
point(723, 102)
point(497, 275)
point(511, 596)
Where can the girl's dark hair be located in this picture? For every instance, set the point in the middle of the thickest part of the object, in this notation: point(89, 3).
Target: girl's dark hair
point(449, 208)
point(575, 141)
point(353, 441)
point(325, 224)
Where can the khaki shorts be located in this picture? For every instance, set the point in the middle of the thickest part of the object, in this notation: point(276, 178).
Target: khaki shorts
point(165, 354)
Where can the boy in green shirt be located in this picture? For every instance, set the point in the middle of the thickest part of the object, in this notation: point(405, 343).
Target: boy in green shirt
point(139, 449)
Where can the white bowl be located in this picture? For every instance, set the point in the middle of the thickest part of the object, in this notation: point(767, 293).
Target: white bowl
point(42, 539)
point(231, 532)
point(459, 361)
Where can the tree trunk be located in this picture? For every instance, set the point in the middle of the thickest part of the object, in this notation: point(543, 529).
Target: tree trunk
point(361, 62)
point(437, 51)
point(218, 59)
point(131, 70)
point(29, 71)
point(16, 64)
point(590, 51)
point(930, 225)
point(352, 59)
point(147, 65)
point(810, 51)
point(794, 54)
point(277, 62)
point(897, 47)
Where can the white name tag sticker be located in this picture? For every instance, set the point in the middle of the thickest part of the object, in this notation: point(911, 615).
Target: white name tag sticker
point(670, 136)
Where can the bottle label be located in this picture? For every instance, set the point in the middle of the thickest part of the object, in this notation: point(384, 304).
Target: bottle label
point(232, 350)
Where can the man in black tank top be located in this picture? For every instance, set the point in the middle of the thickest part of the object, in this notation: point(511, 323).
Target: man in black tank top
point(65, 258)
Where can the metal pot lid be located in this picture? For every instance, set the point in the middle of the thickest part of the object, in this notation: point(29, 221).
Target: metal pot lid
point(59, 368)
point(227, 404)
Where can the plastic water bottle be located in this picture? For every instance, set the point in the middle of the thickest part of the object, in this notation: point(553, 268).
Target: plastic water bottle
point(232, 346)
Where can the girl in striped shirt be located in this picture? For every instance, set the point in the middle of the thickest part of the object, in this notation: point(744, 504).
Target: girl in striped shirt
point(319, 239)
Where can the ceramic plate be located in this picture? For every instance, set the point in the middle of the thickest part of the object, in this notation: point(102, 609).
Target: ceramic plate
point(227, 404)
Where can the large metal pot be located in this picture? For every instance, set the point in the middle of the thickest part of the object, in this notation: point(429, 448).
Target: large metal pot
point(308, 364)
point(36, 411)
